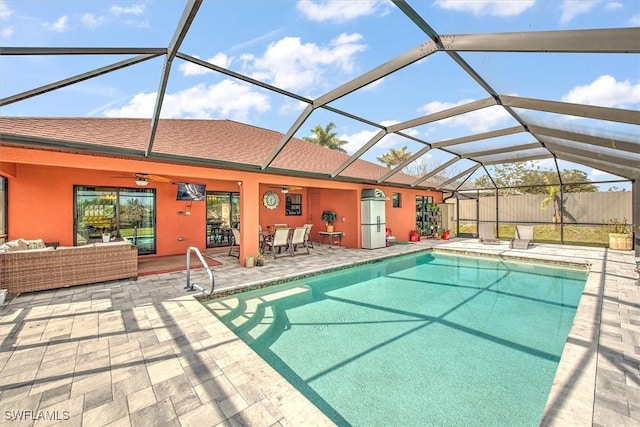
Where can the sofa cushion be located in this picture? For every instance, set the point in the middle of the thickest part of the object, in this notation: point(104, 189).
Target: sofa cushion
point(14, 245)
point(35, 244)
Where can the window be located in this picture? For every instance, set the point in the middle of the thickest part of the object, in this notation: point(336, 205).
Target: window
point(396, 200)
point(124, 213)
point(293, 205)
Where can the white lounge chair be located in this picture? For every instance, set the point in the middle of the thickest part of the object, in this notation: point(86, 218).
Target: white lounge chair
point(486, 234)
point(523, 238)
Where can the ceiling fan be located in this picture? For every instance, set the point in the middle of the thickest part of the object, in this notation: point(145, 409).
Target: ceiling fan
point(143, 179)
point(284, 189)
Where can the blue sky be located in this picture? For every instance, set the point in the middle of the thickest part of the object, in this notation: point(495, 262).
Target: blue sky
point(309, 48)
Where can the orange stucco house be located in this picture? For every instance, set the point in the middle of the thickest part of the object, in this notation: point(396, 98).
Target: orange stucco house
point(69, 178)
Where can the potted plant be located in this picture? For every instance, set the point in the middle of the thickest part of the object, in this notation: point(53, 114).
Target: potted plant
point(329, 217)
point(259, 260)
point(106, 234)
point(620, 235)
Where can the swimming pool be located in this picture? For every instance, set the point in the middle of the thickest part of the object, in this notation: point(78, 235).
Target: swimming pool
point(426, 339)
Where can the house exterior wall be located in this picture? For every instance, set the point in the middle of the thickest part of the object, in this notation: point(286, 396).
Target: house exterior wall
point(40, 202)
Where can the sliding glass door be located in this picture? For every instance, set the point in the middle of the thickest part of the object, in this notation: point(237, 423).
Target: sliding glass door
point(119, 213)
point(223, 214)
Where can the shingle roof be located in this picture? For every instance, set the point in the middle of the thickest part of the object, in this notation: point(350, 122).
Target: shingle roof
point(218, 142)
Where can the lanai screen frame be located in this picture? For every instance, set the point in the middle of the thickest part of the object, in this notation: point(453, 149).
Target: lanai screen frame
point(609, 153)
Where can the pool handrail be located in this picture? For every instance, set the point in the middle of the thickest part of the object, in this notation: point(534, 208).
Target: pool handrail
point(192, 286)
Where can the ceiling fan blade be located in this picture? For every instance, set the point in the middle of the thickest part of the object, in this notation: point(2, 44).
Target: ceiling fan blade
point(150, 177)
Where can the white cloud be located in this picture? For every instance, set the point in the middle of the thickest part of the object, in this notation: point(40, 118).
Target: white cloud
point(293, 106)
point(572, 8)
point(373, 85)
point(487, 7)
point(60, 26)
point(340, 10)
point(191, 69)
point(136, 9)
point(6, 31)
point(357, 140)
point(635, 20)
point(481, 120)
point(91, 21)
point(226, 99)
point(255, 40)
point(605, 91)
point(614, 5)
point(291, 65)
point(5, 12)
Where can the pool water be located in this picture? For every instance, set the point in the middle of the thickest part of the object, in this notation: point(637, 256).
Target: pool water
point(419, 340)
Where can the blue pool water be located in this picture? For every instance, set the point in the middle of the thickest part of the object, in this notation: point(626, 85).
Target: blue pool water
point(419, 340)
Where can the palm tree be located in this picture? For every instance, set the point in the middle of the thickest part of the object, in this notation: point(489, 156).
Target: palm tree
point(326, 138)
point(395, 157)
point(554, 198)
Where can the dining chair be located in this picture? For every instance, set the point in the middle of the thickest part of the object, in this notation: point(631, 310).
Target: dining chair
point(235, 243)
point(298, 238)
point(307, 237)
point(280, 240)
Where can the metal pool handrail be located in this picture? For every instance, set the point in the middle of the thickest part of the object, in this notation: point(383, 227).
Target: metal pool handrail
point(192, 286)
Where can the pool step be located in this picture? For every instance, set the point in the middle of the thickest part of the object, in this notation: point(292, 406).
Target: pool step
point(252, 317)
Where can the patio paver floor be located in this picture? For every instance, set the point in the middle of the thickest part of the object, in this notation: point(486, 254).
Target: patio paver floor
point(146, 352)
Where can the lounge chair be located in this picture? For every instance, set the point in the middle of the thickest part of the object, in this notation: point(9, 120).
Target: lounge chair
point(280, 240)
point(486, 234)
point(298, 238)
point(523, 238)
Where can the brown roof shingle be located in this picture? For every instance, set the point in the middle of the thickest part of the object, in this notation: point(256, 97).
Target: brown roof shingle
point(220, 141)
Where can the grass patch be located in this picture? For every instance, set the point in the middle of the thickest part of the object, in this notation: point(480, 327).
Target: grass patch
point(584, 235)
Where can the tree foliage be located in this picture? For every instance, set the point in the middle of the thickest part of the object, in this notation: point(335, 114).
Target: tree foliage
point(395, 157)
point(426, 164)
point(326, 137)
point(526, 177)
point(134, 212)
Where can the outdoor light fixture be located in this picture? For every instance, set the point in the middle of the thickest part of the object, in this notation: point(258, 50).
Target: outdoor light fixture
point(142, 182)
point(284, 189)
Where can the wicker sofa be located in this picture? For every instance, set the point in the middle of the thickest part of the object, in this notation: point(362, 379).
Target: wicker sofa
point(39, 268)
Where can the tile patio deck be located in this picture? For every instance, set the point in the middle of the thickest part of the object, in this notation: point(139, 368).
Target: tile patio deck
point(146, 352)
